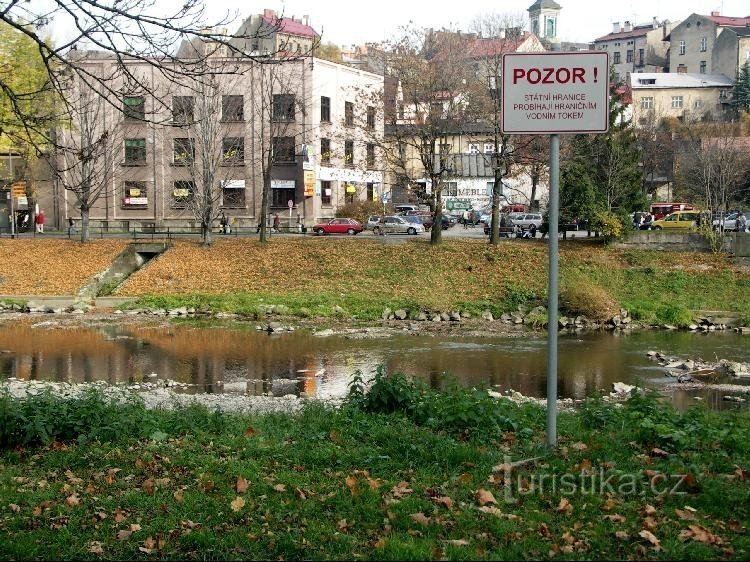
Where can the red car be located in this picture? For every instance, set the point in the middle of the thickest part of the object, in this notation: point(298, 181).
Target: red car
point(338, 226)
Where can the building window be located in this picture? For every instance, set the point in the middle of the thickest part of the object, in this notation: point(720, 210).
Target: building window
point(676, 102)
point(182, 194)
point(370, 156)
point(325, 192)
point(233, 193)
point(325, 151)
point(682, 47)
point(349, 154)
point(401, 105)
point(704, 44)
point(473, 148)
point(370, 117)
point(325, 109)
point(348, 113)
point(445, 148)
point(283, 107)
point(233, 150)
point(616, 57)
point(681, 69)
point(182, 110)
point(232, 108)
point(184, 152)
point(697, 104)
point(629, 55)
point(451, 189)
point(370, 191)
point(135, 152)
point(282, 191)
point(489, 148)
point(134, 195)
point(647, 103)
point(283, 149)
point(702, 67)
point(133, 108)
point(640, 57)
point(549, 27)
point(401, 153)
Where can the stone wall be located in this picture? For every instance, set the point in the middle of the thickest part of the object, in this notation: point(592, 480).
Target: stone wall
point(660, 240)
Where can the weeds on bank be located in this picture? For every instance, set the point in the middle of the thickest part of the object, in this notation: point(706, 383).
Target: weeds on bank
point(398, 472)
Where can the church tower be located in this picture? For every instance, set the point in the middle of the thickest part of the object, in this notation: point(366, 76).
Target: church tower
point(544, 15)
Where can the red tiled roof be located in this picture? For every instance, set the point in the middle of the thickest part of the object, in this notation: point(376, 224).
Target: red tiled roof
point(480, 48)
point(290, 26)
point(729, 20)
point(636, 32)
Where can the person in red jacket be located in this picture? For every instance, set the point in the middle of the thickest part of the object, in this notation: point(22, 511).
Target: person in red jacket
point(39, 220)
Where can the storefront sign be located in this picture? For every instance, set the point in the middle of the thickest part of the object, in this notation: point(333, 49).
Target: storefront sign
point(283, 184)
point(309, 183)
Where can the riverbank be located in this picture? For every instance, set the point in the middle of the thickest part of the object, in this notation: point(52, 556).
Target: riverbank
point(92, 480)
point(361, 279)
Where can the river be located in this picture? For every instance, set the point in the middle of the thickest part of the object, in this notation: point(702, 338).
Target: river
point(234, 357)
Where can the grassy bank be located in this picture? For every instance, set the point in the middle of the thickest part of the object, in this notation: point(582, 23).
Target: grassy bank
point(314, 276)
point(121, 482)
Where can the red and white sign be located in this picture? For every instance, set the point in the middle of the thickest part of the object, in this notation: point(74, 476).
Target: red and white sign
point(549, 93)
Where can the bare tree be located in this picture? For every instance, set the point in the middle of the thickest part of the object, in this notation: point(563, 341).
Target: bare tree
point(436, 88)
point(85, 150)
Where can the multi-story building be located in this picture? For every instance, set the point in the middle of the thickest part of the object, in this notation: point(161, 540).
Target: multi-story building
point(271, 33)
point(639, 48)
point(544, 16)
point(731, 50)
point(322, 137)
point(694, 40)
point(687, 97)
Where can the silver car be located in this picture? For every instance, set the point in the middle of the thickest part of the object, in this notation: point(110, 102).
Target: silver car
point(397, 225)
point(527, 219)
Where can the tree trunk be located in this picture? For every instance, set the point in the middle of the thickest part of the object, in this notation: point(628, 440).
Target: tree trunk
point(497, 191)
point(85, 237)
point(206, 237)
point(436, 233)
point(264, 211)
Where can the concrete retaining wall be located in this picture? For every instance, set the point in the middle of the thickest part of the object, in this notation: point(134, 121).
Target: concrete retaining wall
point(660, 240)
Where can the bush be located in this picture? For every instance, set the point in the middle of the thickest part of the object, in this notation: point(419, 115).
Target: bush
point(609, 224)
point(581, 295)
point(360, 210)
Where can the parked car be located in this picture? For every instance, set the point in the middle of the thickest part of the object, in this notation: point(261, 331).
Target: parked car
point(338, 226)
point(373, 221)
point(730, 221)
point(679, 220)
point(404, 209)
point(397, 225)
point(525, 220)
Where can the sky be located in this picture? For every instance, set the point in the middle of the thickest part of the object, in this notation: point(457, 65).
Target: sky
point(347, 22)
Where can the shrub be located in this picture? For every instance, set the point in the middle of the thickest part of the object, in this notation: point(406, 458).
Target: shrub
point(609, 224)
point(360, 210)
point(581, 295)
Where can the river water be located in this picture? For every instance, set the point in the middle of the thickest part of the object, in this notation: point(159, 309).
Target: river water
point(236, 358)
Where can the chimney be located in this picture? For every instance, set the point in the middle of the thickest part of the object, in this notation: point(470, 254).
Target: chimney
point(268, 13)
point(655, 23)
point(306, 20)
point(616, 27)
point(714, 14)
point(628, 27)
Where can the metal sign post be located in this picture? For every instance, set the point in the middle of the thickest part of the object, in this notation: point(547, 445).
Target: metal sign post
point(552, 93)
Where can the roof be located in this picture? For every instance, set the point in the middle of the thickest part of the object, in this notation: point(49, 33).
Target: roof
point(742, 31)
point(481, 48)
point(291, 27)
point(541, 4)
point(638, 31)
point(729, 20)
point(678, 80)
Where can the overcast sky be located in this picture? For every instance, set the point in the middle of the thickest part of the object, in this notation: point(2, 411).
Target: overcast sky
point(346, 22)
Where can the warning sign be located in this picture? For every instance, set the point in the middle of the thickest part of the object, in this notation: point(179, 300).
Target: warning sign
point(18, 189)
point(548, 93)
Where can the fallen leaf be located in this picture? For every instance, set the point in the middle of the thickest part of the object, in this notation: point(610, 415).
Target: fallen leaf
point(72, 500)
point(444, 500)
point(650, 537)
point(656, 452)
point(241, 485)
point(497, 512)
point(249, 431)
point(649, 510)
point(15, 508)
point(120, 515)
point(280, 488)
point(149, 545)
point(237, 504)
point(95, 547)
point(123, 534)
point(700, 534)
point(352, 484)
point(615, 518)
point(457, 542)
point(649, 523)
point(622, 535)
point(585, 465)
point(564, 506)
point(149, 486)
point(579, 446)
point(685, 514)
point(485, 496)
point(342, 526)
point(568, 537)
point(374, 483)
point(134, 527)
point(420, 518)
point(401, 489)
point(543, 530)
point(178, 496)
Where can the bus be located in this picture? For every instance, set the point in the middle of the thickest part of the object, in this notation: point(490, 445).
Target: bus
point(661, 210)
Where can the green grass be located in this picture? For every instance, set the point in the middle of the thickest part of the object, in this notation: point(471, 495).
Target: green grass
point(324, 484)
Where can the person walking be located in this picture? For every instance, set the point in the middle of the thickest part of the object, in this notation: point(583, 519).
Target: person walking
point(466, 219)
point(39, 221)
point(71, 227)
point(741, 222)
point(276, 222)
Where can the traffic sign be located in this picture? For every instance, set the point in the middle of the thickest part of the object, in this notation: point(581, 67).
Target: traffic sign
point(550, 93)
point(290, 203)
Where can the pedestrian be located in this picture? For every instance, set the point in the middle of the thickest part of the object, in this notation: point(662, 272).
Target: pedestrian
point(741, 222)
point(223, 223)
point(532, 230)
point(71, 229)
point(465, 217)
point(275, 222)
point(39, 221)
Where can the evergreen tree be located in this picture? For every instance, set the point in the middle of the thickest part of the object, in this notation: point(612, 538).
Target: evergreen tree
point(578, 193)
point(741, 90)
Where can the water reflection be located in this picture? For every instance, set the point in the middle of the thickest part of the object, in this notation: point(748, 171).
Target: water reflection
point(236, 358)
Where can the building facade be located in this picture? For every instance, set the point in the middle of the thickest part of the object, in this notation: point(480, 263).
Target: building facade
point(272, 33)
point(639, 48)
point(544, 16)
point(693, 42)
point(731, 50)
point(320, 140)
point(688, 97)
